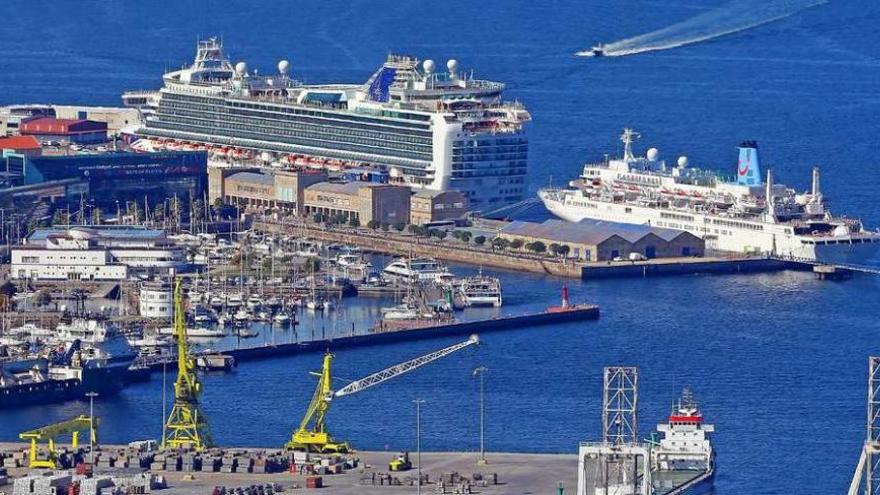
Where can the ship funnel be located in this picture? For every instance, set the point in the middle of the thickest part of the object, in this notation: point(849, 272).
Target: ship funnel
point(748, 170)
point(815, 191)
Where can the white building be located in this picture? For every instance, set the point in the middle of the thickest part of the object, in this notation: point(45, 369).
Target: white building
point(156, 301)
point(95, 253)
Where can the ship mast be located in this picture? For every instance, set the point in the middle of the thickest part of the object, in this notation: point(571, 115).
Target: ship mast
point(628, 137)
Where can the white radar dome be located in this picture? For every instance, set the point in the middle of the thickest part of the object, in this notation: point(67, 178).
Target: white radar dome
point(266, 156)
point(452, 66)
point(428, 66)
point(283, 67)
point(652, 154)
point(682, 161)
point(241, 68)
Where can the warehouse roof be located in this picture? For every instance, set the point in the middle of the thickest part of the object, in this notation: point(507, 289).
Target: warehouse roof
point(350, 188)
point(253, 177)
point(19, 143)
point(51, 125)
point(590, 232)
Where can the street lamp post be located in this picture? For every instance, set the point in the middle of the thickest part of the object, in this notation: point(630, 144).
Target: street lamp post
point(481, 371)
point(418, 403)
point(91, 396)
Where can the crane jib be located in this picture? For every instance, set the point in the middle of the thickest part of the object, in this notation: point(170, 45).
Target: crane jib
point(401, 368)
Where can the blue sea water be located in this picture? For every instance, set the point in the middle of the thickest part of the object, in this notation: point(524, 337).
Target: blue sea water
point(778, 360)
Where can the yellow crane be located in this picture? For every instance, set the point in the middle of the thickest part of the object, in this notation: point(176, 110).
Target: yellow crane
point(186, 426)
point(312, 434)
point(71, 427)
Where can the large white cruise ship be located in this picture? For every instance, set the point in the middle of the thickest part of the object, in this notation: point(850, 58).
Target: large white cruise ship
point(426, 127)
point(731, 215)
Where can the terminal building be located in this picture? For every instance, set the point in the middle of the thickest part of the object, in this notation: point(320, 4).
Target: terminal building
point(283, 190)
point(119, 176)
point(95, 253)
point(360, 201)
point(595, 240)
point(428, 206)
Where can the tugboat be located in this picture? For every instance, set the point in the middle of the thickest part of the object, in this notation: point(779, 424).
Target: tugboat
point(683, 461)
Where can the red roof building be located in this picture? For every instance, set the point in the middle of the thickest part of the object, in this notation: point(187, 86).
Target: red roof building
point(72, 130)
point(19, 143)
point(26, 145)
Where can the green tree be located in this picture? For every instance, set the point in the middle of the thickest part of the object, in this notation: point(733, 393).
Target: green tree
point(516, 243)
point(385, 226)
point(500, 243)
point(218, 204)
point(441, 234)
point(413, 229)
point(480, 240)
point(537, 247)
point(399, 226)
point(563, 250)
point(466, 236)
point(554, 249)
point(373, 224)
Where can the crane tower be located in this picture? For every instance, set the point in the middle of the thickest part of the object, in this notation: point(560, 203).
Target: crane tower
point(867, 474)
point(312, 434)
point(186, 426)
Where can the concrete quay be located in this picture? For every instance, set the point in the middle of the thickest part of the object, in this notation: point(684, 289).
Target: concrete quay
point(516, 474)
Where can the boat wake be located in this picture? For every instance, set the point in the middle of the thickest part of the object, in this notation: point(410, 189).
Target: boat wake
point(734, 17)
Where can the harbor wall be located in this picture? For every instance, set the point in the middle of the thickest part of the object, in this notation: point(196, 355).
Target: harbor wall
point(580, 313)
point(655, 268)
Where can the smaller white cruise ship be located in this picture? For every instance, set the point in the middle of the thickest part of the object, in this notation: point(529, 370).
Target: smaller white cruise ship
point(744, 215)
point(418, 270)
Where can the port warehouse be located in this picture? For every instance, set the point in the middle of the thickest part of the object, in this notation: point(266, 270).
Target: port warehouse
point(311, 192)
point(594, 240)
point(114, 118)
point(119, 176)
point(77, 131)
point(95, 253)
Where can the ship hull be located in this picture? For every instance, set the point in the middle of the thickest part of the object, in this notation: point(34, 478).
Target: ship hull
point(104, 381)
point(723, 234)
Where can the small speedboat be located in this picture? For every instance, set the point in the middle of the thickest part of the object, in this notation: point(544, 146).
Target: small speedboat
point(598, 50)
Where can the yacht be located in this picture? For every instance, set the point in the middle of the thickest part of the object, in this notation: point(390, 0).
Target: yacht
point(481, 291)
point(417, 270)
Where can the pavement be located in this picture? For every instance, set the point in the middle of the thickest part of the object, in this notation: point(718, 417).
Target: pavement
point(518, 474)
